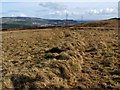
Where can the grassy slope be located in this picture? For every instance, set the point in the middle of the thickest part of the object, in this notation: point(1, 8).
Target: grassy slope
point(103, 23)
point(61, 58)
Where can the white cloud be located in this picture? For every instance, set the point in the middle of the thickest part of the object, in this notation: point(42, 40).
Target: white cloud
point(63, 12)
point(13, 15)
point(94, 11)
point(23, 15)
point(109, 10)
point(19, 15)
point(101, 11)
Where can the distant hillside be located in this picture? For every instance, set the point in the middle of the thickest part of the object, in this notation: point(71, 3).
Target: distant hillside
point(32, 23)
point(101, 23)
point(20, 22)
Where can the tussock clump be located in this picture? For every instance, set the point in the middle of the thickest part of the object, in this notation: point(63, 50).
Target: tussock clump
point(56, 59)
point(63, 56)
point(21, 81)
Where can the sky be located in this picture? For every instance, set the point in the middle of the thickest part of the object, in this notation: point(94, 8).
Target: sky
point(51, 9)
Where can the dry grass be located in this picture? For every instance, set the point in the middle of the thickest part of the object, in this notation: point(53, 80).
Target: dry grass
point(101, 23)
point(56, 58)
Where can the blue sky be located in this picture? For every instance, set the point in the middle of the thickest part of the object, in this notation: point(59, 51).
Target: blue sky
point(92, 10)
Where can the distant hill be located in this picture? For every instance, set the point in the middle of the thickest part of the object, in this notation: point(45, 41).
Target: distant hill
point(32, 22)
point(20, 22)
point(113, 22)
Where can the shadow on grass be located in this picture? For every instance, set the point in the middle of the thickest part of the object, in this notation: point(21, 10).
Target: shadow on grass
point(21, 82)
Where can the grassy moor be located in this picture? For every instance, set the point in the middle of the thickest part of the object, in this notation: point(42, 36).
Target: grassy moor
point(57, 58)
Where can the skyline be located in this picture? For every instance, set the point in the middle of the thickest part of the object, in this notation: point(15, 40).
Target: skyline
point(58, 10)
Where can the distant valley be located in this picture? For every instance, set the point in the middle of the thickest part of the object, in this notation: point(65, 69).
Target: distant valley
point(25, 22)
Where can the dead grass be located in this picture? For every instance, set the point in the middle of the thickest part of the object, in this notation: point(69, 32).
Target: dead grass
point(55, 58)
point(101, 23)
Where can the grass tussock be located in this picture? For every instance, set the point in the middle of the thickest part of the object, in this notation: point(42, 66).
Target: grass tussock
point(56, 58)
